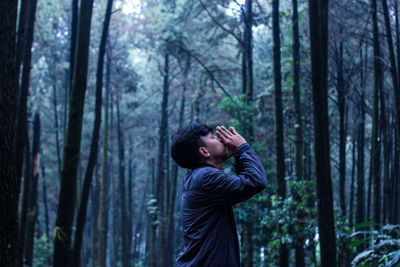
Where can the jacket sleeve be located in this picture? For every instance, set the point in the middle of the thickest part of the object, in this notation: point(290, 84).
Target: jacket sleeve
point(221, 188)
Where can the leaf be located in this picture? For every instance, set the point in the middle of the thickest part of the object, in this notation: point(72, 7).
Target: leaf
point(356, 243)
point(389, 244)
point(362, 257)
point(364, 233)
point(395, 255)
point(364, 224)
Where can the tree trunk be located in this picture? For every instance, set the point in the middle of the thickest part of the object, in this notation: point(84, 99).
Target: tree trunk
point(375, 146)
point(114, 222)
point(353, 168)
point(33, 206)
point(299, 254)
point(280, 154)
point(22, 93)
point(67, 196)
point(131, 202)
point(152, 217)
point(9, 184)
point(56, 124)
point(22, 127)
point(139, 224)
point(122, 192)
point(318, 11)
point(46, 211)
point(23, 24)
point(103, 184)
point(393, 69)
point(172, 195)
point(161, 169)
point(74, 30)
point(81, 218)
point(341, 94)
point(360, 210)
point(395, 178)
point(25, 202)
point(94, 198)
point(248, 58)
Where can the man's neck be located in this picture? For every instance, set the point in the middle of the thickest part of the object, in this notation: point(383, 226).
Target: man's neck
point(215, 164)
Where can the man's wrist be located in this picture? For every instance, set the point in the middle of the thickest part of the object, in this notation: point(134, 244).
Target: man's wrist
point(241, 149)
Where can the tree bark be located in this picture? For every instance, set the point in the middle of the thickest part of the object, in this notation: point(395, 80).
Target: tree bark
point(172, 195)
point(353, 168)
point(280, 154)
point(81, 218)
point(22, 127)
point(67, 196)
point(299, 249)
point(23, 24)
point(101, 256)
point(151, 221)
point(74, 31)
point(122, 192)
point(9, 184)
point(341, 94)
point(395, 82)
point(318, 11)
point(33, 206)
point(248, 58)
point(360, 210)
point(114, 223)
point(161, 169)
point(21, 93)
point(56, 124)
point(375, 146)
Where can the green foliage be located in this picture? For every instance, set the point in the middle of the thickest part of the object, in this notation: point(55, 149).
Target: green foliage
point(240, 111)
point(296, 216)
point(43, 251)
point(385, 249)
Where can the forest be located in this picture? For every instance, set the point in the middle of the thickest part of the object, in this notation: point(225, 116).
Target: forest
point(92, 90)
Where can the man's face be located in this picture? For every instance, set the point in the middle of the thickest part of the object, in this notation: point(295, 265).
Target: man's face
point(214, 146)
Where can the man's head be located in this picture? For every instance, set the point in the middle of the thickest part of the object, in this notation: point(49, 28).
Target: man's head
point(194, 144)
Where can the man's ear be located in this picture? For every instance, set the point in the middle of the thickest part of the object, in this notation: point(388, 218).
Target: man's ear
point(204, 152)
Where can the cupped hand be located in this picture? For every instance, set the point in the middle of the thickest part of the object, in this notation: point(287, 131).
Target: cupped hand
point(230, 138)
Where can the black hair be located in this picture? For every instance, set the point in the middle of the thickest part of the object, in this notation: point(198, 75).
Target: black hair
point(186, 143)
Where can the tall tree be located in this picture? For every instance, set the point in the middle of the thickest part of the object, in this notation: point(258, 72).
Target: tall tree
point(280, 154)
point(384, 125)
point(22, 127)
point(81, 218)
point(318, 12)
point(33, 194)
point(299, 254)
point(341, 95)
point(100, 258)
point(66, 204)
point(375, 146)
point(124, 221)
point(161, 169)
point(23, 25)
point(173, 191)
point(248, 59)
point(9, 184)
point(360, 210)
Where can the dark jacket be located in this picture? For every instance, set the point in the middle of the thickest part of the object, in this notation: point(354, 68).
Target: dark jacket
point(209, 229)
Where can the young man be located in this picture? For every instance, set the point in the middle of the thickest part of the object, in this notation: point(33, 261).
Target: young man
point(209, 228)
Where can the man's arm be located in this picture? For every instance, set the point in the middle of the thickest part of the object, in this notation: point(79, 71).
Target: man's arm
point(222, 188)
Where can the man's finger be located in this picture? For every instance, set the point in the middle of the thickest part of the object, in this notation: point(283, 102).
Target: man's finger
point(232, 130)
point(221, 136)
point(222, 133)
point(226, 131)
